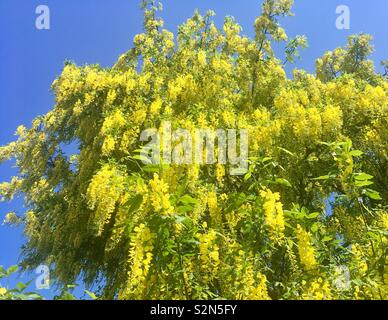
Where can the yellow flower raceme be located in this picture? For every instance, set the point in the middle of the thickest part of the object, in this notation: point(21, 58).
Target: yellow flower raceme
point(103, 193)
point(259, 290)
point(209, 253)
point(183, 86)
point(220, 172)
point(212, 204)
point(273, 214)
point(156, 106)
point(331, 119)
point(140, 260)
point(362, 266)
point(202, 58)
point(319, 289)
point(159, 196)
point(306, 249)
point(114, 122)
point(247, 282)
point(254, 286)
point(108, 146)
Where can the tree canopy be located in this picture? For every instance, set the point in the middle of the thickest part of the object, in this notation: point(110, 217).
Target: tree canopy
point(309, 219)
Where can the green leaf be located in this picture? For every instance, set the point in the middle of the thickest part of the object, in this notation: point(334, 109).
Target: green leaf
point(91, 294)
point(142, 158)
point(362, 176)
point(356, 153)
point(326, 177)
point(373, 235)
point(12, 270)
point(238, 200)
point(180, 219)
point(372, 194)
point(300, 215)
point(152, 168)
point(238, 171)
point(186, 199)
point(67, 296)
point(286, 151)
point(266, 159)
point(21, 286)
point(34, 296)
point(313, 215)
point(283, 182)
point(185, 208)
point(363, 183)
point(135, 203)
point(3, 272)
point(248, 176)
point(327, 239)
point(314, 227)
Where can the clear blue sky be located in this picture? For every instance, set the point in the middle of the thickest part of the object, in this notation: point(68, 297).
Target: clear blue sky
point(97, 31)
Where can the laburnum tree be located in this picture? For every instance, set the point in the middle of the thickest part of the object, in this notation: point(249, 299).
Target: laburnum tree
point(309, 219)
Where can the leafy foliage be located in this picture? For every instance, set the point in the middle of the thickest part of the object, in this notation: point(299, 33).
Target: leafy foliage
point(19, 292)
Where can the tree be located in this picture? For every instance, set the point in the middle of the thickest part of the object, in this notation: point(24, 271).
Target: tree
point(307, 221)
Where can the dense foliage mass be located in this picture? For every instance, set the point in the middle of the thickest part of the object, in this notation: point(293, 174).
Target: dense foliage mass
point(21, 292)
point(308, 221)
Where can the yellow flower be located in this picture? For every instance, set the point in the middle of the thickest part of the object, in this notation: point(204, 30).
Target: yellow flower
point(362, 266)
point(273, 214)
point(104, 191)
point(257, 290)
point(12, 219)
point(209, 253)
point(202, 58)
point(113, 122)
point(212, 204)
point(248, 283)
point(111, 97)
point(3, 291)
point(182, 86)
point(155, 106)
point(220, 173)
point(384, 220)
point(140, 258)
point(108, 146)
point(319, 289)
point(159, 196)
point(306, 250)
point(331, 119)
point(229, 118)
